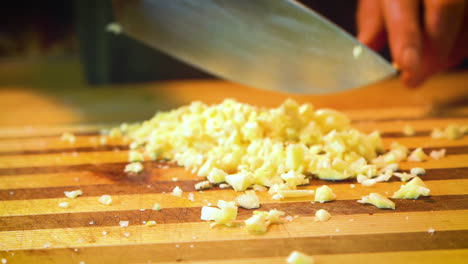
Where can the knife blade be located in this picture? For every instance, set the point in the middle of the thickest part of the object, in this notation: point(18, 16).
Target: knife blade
point(271, 44)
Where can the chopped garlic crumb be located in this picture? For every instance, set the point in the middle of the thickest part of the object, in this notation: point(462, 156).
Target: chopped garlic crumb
point(297, 257)
point(68, 137)
point(150, 223)
point(431, 231)
point(223, 186)
point(404, 176)
point(73, 194)
point(135, 156)
point(249, 200)
point(177, 191)
point(412, 190)
point(408, 130)
point(156, 207)
point(437, 133)
point(438, 154)
point(114, 27)
point(418, 171)
point(378, 201)
point(256, 224)
point(64, 204)
point(4, 261)
point(123, 223)
point(324, 194)
point(259, 188)
point(203, 185)
point(322, 215)
point(369, 182)
point(105, 199)
point(191, 197)
point(417, 155)
point(224, 215)
point(134, 167)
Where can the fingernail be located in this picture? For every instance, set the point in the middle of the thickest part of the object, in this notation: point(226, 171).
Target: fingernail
point(410, 59)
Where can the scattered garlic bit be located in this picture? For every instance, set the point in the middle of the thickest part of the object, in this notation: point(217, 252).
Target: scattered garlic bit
point(408, 130)
point(369, 182)
point(216, 175)
point(453, 132)
point(431, 231)
point(412, 190)
point(397, 153)
point(438, 154)
point(105, 199)
point(324, 194)
point(352, 186)
point(297, 257)
point(361, 178)
point(68, 137)
point(249, 200)
point(224, 215)
point(294, 193)
point(450, 132)
point(4, 261)
point(135, 156)
point(174, 179)
point(203, 185)
point(150, 223)
point(73, 194)
point(177, 191)
point(378, 201)
point(256, 224)
point(260, 220)
point(437, 133)
point(418, 171)
point(64, 205)
point(239, 181)
point(123, 223)
point(114, 27)
point(259, 188)
point(156, 207)
point(126, 234)
point(417, 155)
point(245, 145)
point(404, 176)
point(322, 215)
point(134, 167)
point(385, 176)
point(224, 186)
point(393, 167)
point(191, 197)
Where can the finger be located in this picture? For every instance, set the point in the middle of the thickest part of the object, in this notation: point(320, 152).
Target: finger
point(404, 32)
point(370, 24)
point(442, 22)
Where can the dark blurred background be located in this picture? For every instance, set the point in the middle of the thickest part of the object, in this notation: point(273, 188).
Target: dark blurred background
point(52, 29)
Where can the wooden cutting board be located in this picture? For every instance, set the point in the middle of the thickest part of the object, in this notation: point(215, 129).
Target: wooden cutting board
point(36, 167)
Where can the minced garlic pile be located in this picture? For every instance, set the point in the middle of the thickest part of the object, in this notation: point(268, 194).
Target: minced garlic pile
point(245, 145)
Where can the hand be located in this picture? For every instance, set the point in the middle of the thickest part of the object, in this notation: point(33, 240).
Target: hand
point(423, 41)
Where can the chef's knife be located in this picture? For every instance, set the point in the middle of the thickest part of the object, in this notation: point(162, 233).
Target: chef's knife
point(271, 44)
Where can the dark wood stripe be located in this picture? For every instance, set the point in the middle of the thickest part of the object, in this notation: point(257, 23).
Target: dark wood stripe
point(192, 214)
point(118, 166)
point(400, 134)
point(67, 150)
point(145, 183)
point(259, 248)
point(114, 170)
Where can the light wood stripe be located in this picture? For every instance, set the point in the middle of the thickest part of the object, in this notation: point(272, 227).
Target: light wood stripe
point(192, 214)
point(70, 158)
point(185, 232)
point(55, 130)
point(454, 256)
point(324, 250)
point(166, 200)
